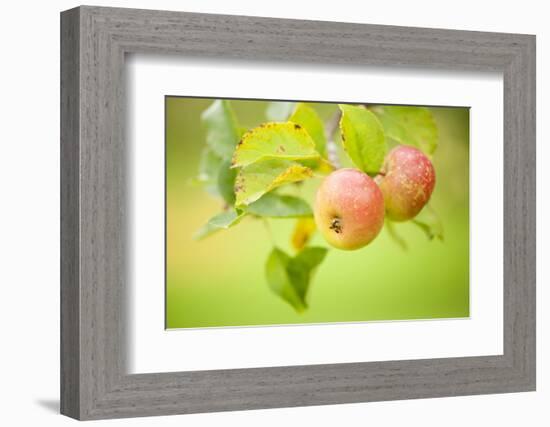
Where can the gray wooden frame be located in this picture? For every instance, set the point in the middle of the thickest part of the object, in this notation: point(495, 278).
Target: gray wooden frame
point(94, 382)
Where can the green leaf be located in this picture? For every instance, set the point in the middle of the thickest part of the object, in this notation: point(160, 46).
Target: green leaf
point(257, 179)
point(222, 131)
point(308, 118)
point(410, 126)
point(209, 167)
point(430, 223)
point(276, 273)
point(301, 267)
point(279, 206)
point(222, 221)
point(303, 231)
point(279, 111)
point(286, 141)
point(363, 138)
point(226, 182)
point(290, 277)
point(396, 237)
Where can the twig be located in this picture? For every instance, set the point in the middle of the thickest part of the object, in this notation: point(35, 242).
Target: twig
point(332, 147)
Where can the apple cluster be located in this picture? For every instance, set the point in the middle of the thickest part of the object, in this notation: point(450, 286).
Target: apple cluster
point(350, 206)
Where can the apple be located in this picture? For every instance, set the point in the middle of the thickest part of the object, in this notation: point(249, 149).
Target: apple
point(407, 181)
point(349, 209)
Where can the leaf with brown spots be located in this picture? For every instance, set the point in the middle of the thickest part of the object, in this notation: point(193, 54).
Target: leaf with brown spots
point(259, 178)
point(307, 117)
point(283, 141)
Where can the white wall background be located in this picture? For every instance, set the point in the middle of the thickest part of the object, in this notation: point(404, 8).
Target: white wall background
point(29, 213)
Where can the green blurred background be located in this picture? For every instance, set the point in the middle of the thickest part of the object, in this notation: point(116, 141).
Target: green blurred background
point(220, 281)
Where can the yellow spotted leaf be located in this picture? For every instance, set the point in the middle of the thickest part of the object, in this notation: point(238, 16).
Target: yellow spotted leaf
point(282, 141)
point(307, 117)
point(259, 178)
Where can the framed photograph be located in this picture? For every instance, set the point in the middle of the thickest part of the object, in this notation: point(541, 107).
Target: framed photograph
point(261, 213)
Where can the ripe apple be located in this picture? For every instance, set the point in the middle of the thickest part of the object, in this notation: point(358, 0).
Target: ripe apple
point(349, 209)
point(407, 180)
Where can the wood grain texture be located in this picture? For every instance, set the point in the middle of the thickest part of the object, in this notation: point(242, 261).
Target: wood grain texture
point(70, 221)
point(94, 270)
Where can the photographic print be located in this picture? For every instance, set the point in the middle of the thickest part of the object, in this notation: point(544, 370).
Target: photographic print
point(294, 212)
